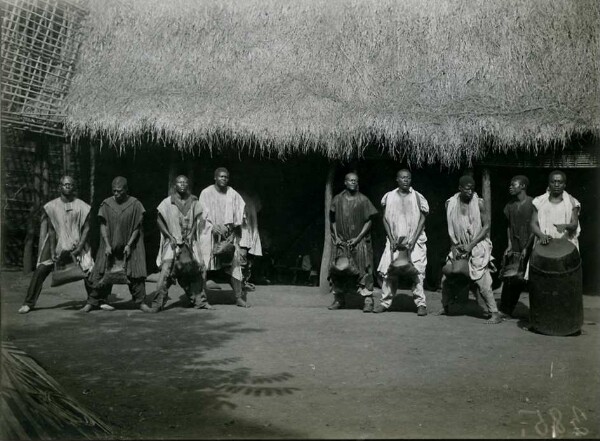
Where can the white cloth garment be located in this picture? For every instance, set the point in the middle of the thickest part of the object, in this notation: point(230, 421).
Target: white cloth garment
point(550, 214)
point(463, 228)
point(402, 214)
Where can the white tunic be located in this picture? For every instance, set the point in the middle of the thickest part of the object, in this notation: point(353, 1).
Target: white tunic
point(402, 214)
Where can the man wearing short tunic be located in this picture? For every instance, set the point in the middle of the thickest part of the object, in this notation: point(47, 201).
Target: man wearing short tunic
point(351, 218)
point(556, 213)
point(223, 211)
point(404, 222)
point(64, 228)
point(518, 212)
point(179, 219)
point(121, 217)
point(468, 227)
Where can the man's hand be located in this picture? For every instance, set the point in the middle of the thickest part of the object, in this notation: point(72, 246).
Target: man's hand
point(336, 241)
point(220, 229)
point(463, 250)
point(77, 251)
point(108, 250)
point(127, 251)
point(545, 239)
point(352, 242)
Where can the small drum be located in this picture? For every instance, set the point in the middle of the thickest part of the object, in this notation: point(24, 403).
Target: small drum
point(67, 270)
point(401, 266)
point(343, 264)
point(555, 297)
point(513, 267)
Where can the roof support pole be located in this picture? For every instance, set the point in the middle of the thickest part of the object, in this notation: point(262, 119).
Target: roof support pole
point(172, 171)
point(92, 173)
point(323, 283)
point(486, 190)
point(40, 196)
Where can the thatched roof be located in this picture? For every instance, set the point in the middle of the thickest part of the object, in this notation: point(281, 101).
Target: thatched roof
point(436, 80)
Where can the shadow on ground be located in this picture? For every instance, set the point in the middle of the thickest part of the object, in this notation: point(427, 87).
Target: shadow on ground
point(152, 376)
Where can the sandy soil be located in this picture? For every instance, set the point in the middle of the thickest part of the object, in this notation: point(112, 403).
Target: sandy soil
point(289, 368)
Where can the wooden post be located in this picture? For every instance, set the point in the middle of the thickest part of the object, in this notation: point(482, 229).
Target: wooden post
point(172, 171)
point(486, 190)
point(323, 283)
point(66, 158)
point(40, 166)
point(190, 174)
point(92, 173)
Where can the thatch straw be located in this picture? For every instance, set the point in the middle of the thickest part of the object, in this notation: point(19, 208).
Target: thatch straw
point(33, 405)
point(429, 80)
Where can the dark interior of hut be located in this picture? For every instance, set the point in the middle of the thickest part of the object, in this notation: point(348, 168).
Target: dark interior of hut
point(291, 192)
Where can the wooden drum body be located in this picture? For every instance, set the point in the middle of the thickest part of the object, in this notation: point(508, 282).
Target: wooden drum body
point(555, 294)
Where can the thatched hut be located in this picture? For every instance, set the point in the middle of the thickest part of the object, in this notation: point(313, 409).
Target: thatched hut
point(434, 84)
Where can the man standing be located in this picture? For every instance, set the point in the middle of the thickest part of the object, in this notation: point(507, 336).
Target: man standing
point(556, 213)
point(122, 238)
point(223, 212)
point(518, 212)
point(179, 217)
point(351, 218)
point(404, 222)
point(468, 227)
point(64, 228)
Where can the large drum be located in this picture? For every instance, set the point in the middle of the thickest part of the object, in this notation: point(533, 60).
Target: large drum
point(555, 294)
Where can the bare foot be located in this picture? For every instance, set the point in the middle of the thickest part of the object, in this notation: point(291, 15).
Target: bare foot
point(494, 319)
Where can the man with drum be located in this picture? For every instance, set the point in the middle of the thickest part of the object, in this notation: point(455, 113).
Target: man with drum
point(468, 228)
point(351, 218)
point(224, 213)
point(404, 222)
point(122, 239)
point(518, 212)
point(179, 218)
point(556, 213)
point(64, 229)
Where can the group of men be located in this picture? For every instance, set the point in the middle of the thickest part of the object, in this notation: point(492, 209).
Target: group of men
point(531, 222)
point(192, 228)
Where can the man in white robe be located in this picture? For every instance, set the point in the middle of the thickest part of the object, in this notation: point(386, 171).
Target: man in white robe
point(556, 213)
point(404, 222)
point(223, 212)
point(64, 228)
point(468, 227)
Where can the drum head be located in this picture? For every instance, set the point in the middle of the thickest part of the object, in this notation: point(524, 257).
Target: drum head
point(556, 249)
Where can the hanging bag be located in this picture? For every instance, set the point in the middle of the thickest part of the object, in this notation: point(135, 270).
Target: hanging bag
point(67, 270)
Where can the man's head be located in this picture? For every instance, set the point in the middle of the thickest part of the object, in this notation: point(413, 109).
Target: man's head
point(466, 187)
point(221, 177)
point(119, 188)
point(518, 184)
point(557, 181)
point(67, 186)
point(351, 182)
point(182, 185)
point(403, 179)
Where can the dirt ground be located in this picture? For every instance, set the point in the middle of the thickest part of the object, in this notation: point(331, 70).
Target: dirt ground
point(289, 368)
